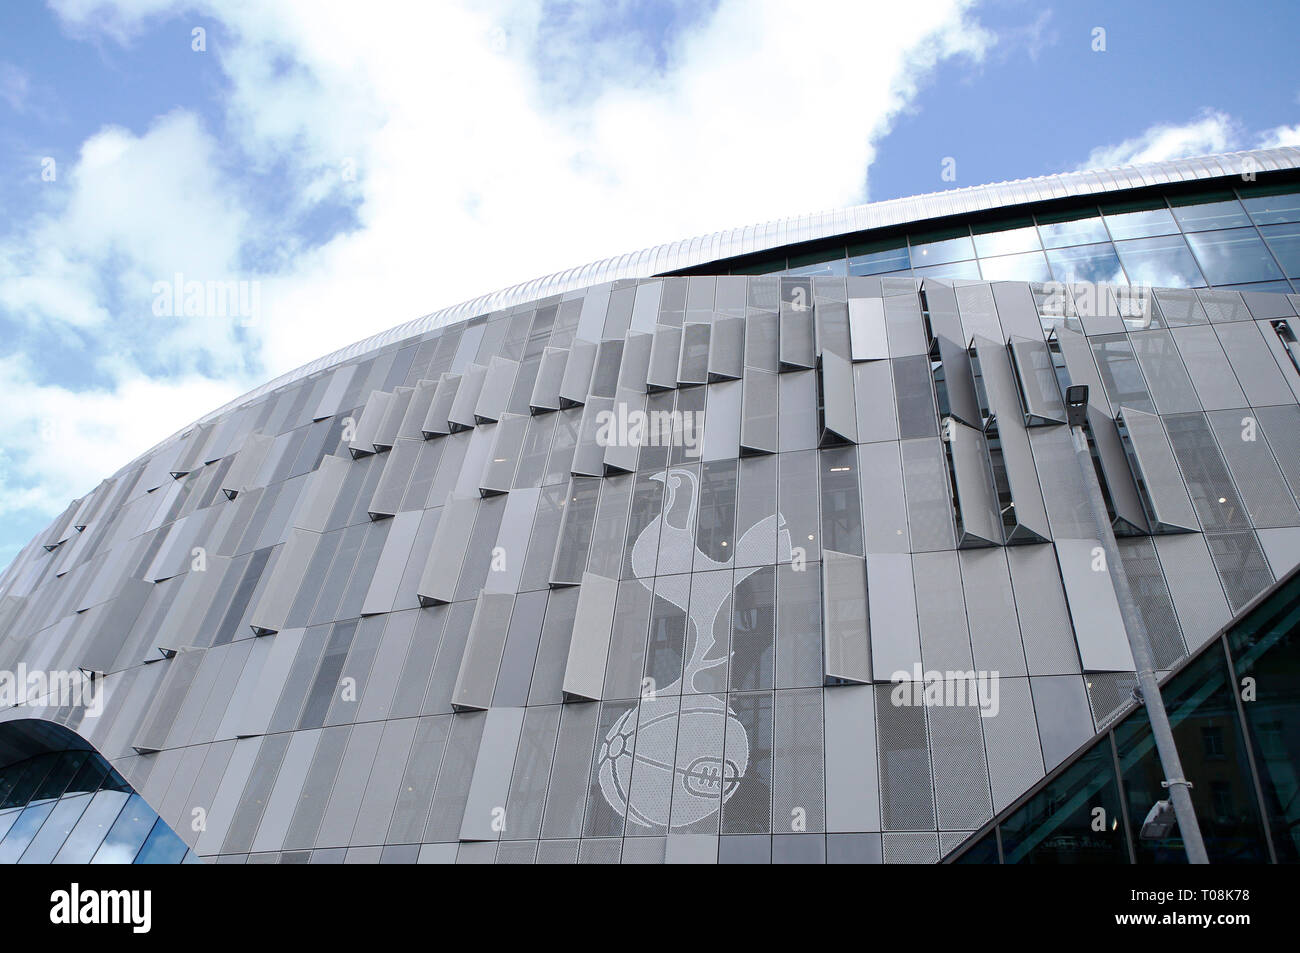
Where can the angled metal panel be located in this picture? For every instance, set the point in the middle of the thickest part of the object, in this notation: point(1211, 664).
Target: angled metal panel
point(412, 423)
point(798, 348)
point(1039, 389)
point(665, 352)
point(486, 643)
point(499, 471)
point(593, 625)
point(363, 439)
point(758, 416)
point(550, 375)
point(1094, 610)
point(852, 787)
point(622, 444)
point(727, 349)
point(593, 435)
point(839, 412)
point(845, 627)
point(277, 597)
point(693, 362)
point(444, 395)
point(386, 432)
point(381, 596)
point(1130, 514)
point(977, 499)
point(333, 396)
point(497, 384)
point(576, 383)
point(247, 463)
point(635, 365)
point(1158, 473)
point(461, 414)
point(387, 498)
point(867, 329)
point(945, 323)
point(442, 567)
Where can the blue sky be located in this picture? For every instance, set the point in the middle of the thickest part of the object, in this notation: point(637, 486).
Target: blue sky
point(355, 172)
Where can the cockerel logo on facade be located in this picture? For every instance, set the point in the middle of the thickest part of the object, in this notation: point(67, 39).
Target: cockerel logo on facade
point(662, 763)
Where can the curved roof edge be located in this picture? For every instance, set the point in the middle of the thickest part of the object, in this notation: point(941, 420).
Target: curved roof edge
point(745, 240)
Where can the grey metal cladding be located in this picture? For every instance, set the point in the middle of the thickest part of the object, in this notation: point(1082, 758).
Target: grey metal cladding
point(272, 609)
point(1037, 379)
point(1094, 610)
point(594, 435)
point(367, 426)
point(248, 461)
point(839, 412)
point(575, 385)
point(635, 366)
point(957, 375)
point(867, 329)
point(499, 472)
point(1081, 367)
point(798, 350)
point(1264, 492)
point(693, 361)
point(1171, 507)
point(977, 500)
point(485, 816)
point(1121, 483)
point(846, 632)
point(442, 567)
point(436, 422)
point(891, 600)
point(412, 423)
point(386, 432)
point(477, 677)
point(593, 624)
point(1171, 389)
point(623, 449)
point(727, 348)
point(1208, 366)
point(497, 383)
point(461, 414)
point(758, 421)
point(852, 786)
point(1258, 373)
point(665, 356)
point(550, 377)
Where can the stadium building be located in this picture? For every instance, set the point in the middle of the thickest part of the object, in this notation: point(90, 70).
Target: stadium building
point(768, 545)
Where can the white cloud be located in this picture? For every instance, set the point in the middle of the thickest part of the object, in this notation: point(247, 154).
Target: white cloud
point(1211, 131)
point(58, 443)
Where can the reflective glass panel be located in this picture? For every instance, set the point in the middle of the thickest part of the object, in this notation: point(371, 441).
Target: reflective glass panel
point(1161, 262)
point(1233, 256)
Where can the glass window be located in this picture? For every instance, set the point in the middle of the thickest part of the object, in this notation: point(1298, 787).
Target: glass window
point(1031, 266)
point(1199, 700)
point(1285, 242)
point(826, 262)
point(1138, 220)
point(1264, 648)
point(1233, 256)
point(1058, 825)
point(1006, 238)
point(878, 258)
point(1087, 263)
point(1160, 262)
point(956, 269)
point(1206, 211)
point(1273, 206)
point(937, 248)
point(1079, 227)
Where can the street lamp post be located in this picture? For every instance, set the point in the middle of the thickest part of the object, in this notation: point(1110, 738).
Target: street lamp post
point(1076, 399)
